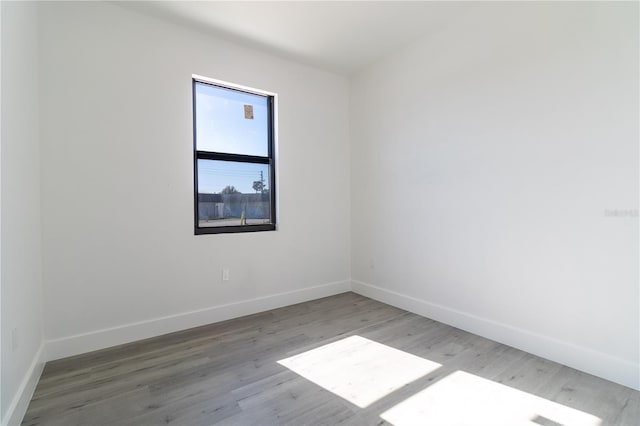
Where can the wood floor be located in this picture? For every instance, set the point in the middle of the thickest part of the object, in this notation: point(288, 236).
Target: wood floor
point(229, 373)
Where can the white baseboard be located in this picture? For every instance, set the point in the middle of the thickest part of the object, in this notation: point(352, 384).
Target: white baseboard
point(20, 402)
point(100, 339)
point(584, 359)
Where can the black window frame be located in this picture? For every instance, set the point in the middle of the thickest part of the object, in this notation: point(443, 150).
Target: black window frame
point(221, 156)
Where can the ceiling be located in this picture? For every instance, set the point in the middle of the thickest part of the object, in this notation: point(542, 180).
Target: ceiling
point(342, 37)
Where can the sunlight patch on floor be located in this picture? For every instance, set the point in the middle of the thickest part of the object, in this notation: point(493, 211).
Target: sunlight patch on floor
point(465, 399)
point(358, 369)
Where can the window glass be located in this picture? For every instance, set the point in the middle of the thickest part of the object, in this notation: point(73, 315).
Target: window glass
point(230, 121)
point(233, 193)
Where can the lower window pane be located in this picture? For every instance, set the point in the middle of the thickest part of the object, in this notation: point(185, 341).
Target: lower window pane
point(233, 193)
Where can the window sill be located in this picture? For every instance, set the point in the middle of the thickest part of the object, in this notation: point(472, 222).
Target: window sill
point(233, 229)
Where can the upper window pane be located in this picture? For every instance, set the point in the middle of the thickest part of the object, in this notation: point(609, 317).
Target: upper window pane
point(230, 121)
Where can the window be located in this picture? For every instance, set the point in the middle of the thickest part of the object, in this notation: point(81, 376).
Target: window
point(234, 170)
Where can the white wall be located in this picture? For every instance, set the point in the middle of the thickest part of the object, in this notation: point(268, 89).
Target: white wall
point(20, 279)
point(484, 161)
point(119, 249)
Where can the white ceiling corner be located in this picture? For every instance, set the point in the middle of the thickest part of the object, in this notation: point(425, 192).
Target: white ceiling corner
point(339, 36)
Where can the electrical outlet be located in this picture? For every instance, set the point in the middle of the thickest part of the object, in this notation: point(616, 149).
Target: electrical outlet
point(225, 274)
point(14, 339)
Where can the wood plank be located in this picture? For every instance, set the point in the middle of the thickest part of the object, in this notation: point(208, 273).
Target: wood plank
point(228, 373)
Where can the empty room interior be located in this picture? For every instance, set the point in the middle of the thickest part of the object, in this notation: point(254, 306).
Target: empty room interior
point(320, 213)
